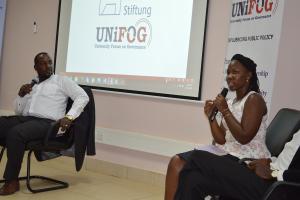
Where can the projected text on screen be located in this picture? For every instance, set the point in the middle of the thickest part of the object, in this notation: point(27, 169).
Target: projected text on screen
point(132, 45)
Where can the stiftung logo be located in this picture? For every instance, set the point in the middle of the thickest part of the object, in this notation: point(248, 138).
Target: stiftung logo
point(110, 7)
point(254, 7)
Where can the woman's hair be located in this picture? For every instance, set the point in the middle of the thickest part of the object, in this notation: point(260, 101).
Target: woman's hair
point(250, 65)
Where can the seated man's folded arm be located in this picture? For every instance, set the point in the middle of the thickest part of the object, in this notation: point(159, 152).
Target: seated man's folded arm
point(77, 94)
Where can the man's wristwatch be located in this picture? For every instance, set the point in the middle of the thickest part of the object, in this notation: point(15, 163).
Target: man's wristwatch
point(69, 117)
point(274, 173)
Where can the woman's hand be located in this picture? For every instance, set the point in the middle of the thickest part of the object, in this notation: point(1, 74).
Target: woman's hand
point(208, 107)
point(217, 131)
point(221, 104)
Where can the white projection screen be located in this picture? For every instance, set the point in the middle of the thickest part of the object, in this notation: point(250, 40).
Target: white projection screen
point(2, 22)
point(149, 47)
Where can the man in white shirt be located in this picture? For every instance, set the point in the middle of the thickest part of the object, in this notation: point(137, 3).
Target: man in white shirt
point(38, 104)
point(218, 175)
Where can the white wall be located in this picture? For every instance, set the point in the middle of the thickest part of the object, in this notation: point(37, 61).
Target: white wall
point(177, 120)
point(20, 44)
point(286, 83)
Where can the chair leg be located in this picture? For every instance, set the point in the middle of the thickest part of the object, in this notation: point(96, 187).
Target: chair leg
point(28, 178)
point(59, 184)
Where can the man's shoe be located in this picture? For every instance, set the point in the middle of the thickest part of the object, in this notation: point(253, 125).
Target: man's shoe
point(10, 187)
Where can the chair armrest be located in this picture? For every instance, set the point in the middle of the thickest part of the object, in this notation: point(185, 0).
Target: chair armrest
point(271, 192)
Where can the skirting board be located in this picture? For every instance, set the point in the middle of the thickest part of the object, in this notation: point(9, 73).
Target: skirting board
point(141, 142)
point(136, 141)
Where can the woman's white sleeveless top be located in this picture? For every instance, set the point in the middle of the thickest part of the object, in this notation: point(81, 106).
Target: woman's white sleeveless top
point(256, 148)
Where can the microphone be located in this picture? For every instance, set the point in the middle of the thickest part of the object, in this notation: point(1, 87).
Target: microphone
point(215, 109)
point(33, 82)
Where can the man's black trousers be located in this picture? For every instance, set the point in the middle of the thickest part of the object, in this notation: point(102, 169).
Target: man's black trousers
point(16, 131)
point(208, 174)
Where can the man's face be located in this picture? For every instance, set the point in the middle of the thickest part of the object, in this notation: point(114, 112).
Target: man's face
point(43, 67)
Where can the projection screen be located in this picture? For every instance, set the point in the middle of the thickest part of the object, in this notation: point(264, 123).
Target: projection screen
point(150, 47)
point(2, 22)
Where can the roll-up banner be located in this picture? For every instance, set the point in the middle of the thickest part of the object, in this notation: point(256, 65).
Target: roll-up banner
point(255, 28)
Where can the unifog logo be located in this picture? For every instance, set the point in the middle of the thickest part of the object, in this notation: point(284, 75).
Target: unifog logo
point(138, 34)
point(253, 7)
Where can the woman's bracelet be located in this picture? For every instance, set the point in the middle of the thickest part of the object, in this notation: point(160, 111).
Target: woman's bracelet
point(226, 113)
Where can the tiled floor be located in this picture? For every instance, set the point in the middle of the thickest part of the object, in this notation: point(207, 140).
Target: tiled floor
point(84, 185)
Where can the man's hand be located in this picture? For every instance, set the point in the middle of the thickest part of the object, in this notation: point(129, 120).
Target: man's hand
point(65, 123)
point(261, 167)
point(25, 89)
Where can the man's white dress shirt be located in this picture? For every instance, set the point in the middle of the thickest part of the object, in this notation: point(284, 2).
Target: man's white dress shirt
point(282, 162)
point(48, 99)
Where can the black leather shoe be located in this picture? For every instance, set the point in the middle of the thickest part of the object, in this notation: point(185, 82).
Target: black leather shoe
point(10, 187)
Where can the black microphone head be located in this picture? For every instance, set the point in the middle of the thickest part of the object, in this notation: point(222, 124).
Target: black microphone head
point(33, 82)
point(215, 109)
point(224, 92)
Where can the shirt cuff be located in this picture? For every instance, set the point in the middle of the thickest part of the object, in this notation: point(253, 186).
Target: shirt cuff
point(273, 159)
point(280, 175)
point(72, 113)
